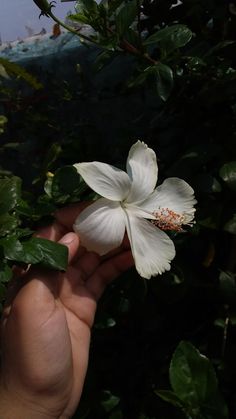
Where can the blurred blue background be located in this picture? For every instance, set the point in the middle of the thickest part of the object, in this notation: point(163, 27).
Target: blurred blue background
point(16, 15)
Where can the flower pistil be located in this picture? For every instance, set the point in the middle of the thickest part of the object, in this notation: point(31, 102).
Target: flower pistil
point(167, 219)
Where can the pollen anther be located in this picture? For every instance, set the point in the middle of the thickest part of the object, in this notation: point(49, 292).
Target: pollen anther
point(167, 219)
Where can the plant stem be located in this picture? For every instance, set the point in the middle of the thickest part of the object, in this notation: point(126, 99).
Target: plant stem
point(72, 30)
point(125, 45)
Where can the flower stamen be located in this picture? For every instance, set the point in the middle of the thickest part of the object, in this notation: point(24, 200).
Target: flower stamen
point(167, 219)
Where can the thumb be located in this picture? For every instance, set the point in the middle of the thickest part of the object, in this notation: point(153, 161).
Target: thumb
point(71, 240)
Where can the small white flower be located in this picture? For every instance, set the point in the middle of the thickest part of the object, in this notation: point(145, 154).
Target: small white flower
point(129, 201)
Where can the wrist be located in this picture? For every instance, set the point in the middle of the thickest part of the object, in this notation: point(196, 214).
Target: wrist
point(14, 407)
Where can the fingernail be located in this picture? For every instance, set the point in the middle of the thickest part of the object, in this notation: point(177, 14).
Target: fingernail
point(68, 238)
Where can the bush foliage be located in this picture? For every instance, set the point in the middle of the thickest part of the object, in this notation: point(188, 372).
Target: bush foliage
point(163, 71)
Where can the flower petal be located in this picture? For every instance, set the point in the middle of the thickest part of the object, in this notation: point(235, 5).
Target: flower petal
point(174, 194)
point(152, 249)
point(106, 180)
point(142, 170)
point(138, 211)
point(101, 226)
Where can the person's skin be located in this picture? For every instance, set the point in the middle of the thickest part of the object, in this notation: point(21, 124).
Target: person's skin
point(46, 327)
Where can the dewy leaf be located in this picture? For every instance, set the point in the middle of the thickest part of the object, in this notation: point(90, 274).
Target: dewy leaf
point(126, 16)
point(10, 191)
point(164, 80)
point(177, 36)
point(194, 381)
point(228, 174)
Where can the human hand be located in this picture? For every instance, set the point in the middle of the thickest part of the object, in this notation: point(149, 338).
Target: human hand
point(46, 326)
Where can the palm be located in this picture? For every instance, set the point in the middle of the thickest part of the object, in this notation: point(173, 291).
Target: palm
point(49, 323)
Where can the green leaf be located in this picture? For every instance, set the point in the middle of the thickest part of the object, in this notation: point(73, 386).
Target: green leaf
point(191, 375)
point(2, 293)
point(113, 6)
point(51, 156)
point(228, 174)
point(141, 78)
point(110, 401)
point(206, 183)
point(51, 254)
point(117, 414)
point(10, 191)
point(164, 80)
point(102, 59)
point(126, 16)
point(3, 121)
point(194, 381)
point(170, 397)
point(172, 37)
point(132, 37)
point(218, 47)
point(227, 287)
point(13, 249)
point(230, 226)
point(36, 250)
point(20, 72)
point(220, 323)
point(8, 223)
point(104, 322)
point(5, 272)
point(89, 5)
point(79, 17)
point(67, 185)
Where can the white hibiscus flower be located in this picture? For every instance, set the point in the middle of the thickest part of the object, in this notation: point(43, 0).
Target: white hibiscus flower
point(129, 201)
